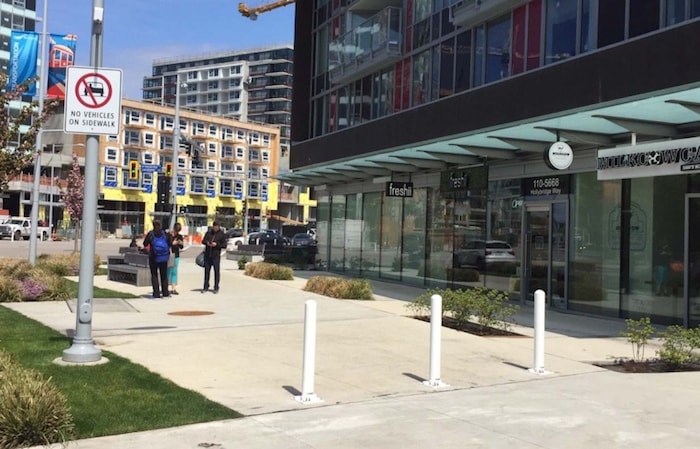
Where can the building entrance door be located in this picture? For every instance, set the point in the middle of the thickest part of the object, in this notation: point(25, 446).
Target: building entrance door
point(692, 260)
point(545, 255)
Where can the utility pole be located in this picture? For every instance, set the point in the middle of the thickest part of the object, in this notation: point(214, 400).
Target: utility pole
point(37, 161)
point(83, 349)
point(176, 148)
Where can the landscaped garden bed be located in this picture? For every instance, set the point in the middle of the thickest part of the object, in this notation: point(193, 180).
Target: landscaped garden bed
point(480, 311)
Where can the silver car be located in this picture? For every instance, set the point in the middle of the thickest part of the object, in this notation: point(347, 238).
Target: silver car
point(484, 253)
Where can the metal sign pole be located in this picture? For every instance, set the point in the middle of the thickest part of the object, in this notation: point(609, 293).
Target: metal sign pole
point(83, 349)
point(37, 162)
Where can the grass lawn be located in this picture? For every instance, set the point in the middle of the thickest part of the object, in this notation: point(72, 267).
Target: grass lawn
point(114, 398)
point(99, 292)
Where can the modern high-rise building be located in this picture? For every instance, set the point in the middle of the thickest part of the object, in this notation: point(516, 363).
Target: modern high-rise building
point(14, 15)
point(511, 144)
point(253, 85)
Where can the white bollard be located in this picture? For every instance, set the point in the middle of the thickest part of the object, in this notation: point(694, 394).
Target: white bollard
point(538, 367)
point(307, 378)
point(435, 342)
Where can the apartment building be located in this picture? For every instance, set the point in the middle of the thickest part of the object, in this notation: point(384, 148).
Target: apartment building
point(252, 85)
point(234, 164)
point(14, 15)
point(512, 144)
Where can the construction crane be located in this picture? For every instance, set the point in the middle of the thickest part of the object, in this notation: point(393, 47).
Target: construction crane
point(252, 13)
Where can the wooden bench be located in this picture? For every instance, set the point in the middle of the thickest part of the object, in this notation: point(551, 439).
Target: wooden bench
point(138, 276)
point(115, 260)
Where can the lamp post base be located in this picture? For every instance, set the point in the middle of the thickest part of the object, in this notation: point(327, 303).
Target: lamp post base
point(82, 353)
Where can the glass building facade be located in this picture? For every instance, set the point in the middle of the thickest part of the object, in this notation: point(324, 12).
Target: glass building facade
point(461, 100)
point(613, 248)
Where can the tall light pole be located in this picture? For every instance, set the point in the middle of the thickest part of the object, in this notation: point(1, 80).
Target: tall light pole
point(176, 147)
point(83, 349)
point(37, 161)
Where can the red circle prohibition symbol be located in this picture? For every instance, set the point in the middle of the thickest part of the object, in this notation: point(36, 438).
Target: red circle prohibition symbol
point(94, 90)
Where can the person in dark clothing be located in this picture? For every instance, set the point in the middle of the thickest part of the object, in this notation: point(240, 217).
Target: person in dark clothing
point(177, 246)
point(158, 243)
point(214, 241)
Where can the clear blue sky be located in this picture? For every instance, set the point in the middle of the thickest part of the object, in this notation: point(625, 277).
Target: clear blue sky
point(138, 31)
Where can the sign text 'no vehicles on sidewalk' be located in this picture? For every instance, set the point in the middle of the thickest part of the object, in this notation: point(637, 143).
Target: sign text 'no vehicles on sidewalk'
point(93, 100)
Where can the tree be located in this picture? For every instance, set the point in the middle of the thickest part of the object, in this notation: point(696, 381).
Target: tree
point(17, 149)
point(74, 196)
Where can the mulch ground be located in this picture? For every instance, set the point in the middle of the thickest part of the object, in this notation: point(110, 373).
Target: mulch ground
point(648, 366)
point(472, 328)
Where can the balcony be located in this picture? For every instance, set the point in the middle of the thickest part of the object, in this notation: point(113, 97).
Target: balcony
point(374, 44)
point(467, 13)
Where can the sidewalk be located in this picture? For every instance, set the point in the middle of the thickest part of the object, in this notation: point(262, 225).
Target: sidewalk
point(370, 359)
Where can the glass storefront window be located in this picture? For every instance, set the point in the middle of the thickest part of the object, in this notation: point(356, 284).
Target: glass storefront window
point(656, 249)
point(440, 235)
point(353, 231)
point(390, 257)
point(323, 228)
point(337, 225)
point(370, 231)
point(414, 228)
point(594, 267)
point(506, 212)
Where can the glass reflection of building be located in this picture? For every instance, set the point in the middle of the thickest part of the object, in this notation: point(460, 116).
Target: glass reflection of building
point(511, 78)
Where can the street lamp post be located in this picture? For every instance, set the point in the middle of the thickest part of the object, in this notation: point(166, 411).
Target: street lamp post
point(37, 162)
point(176, 147)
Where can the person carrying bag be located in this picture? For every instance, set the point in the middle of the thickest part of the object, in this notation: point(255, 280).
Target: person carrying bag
point(158, 243)
point(214, 242)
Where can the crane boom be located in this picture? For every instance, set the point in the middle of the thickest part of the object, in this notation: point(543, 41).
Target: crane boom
point(252, 13)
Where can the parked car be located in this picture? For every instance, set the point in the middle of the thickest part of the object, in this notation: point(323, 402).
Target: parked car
point(20, 228)
point(234, 239)
point(303, 239)
point(484, 253)
point(267, 236)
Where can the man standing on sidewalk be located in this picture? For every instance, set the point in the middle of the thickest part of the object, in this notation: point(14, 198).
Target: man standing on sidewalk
point(214, 241)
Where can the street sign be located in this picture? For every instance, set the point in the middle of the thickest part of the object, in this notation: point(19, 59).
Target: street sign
point(150, 168)
point(93, 100)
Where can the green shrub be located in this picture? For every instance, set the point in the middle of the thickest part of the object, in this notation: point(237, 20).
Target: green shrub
point(489, 307)
point(638, 333)
point(32, 410)
point(340, 288)
point(9, 290)
point(241, 262)
point(264, 270)
point(679, 344)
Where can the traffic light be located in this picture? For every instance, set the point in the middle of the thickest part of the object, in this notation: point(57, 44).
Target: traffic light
point(133, 170)
point(169, 169)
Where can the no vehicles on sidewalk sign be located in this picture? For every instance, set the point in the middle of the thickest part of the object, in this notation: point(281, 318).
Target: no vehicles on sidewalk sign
point(93, 100)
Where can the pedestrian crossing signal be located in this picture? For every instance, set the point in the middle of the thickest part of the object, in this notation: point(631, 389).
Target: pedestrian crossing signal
point(133, 170)
point(169, 169)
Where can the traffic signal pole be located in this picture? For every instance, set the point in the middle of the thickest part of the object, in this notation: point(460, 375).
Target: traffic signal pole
point(83, 349)
point(176, 148)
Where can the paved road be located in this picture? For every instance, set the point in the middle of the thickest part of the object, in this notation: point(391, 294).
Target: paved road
point(103, 248)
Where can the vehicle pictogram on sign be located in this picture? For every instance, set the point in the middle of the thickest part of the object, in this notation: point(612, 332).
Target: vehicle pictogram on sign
point(93, 90)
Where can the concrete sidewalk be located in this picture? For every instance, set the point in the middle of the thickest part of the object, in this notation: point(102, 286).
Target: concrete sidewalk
point(247, 355)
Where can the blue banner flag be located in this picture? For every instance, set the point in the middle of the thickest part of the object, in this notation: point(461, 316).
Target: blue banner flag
point(61, 55)
point(24, 50)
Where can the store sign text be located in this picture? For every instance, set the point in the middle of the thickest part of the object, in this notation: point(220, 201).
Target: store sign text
point(399, 189)
point(653, 159)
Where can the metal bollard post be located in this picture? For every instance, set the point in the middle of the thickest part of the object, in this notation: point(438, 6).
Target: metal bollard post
point(307, 379)
point(538, 367)
point(435, 342)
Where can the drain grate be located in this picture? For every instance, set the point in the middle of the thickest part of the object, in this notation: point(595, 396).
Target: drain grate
point(191, 313)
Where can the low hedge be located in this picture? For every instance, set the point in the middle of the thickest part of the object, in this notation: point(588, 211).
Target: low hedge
point(19, 281)
point(32, 410)
point(270, 271)
point(340, 288)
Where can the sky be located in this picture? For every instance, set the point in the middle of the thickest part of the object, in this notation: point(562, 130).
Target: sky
point(138, 31)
